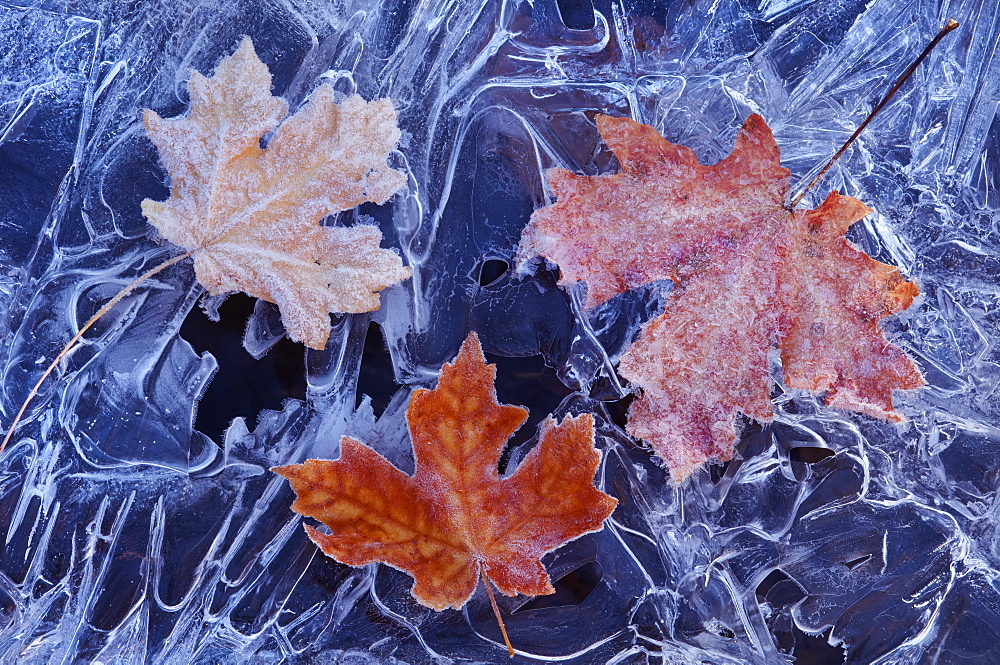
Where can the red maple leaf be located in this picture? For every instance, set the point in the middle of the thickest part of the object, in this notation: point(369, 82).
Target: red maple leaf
point(750, 275)
point(455, 519)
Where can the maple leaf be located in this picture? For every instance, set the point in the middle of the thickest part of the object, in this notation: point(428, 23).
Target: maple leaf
point(455, 518)
point(749, 274)
point(251, 215)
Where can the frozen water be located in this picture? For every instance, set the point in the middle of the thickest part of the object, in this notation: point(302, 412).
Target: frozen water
point(131, 538)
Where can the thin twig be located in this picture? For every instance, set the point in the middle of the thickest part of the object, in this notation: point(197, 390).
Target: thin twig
point(496, 610)
point(948, 27)
point(76, 338)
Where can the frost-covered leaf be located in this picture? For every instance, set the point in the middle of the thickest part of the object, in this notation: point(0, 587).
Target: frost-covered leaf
point(455, 517)
point(252, 214)
point(749, 274)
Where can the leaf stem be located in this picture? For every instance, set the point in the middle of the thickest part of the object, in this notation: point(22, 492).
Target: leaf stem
point(496, 610)
point(76, 338)
point(948, 27)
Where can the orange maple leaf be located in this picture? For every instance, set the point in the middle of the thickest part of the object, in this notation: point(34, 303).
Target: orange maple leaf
point(250, 215)
point(749, 273)
point(455, 519)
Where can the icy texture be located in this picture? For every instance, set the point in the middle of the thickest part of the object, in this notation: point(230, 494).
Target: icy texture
point(130, 539)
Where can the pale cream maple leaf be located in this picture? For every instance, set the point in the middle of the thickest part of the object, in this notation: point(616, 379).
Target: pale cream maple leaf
point(251, 215)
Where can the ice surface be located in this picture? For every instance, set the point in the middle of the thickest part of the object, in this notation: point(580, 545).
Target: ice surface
point(130, 538)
